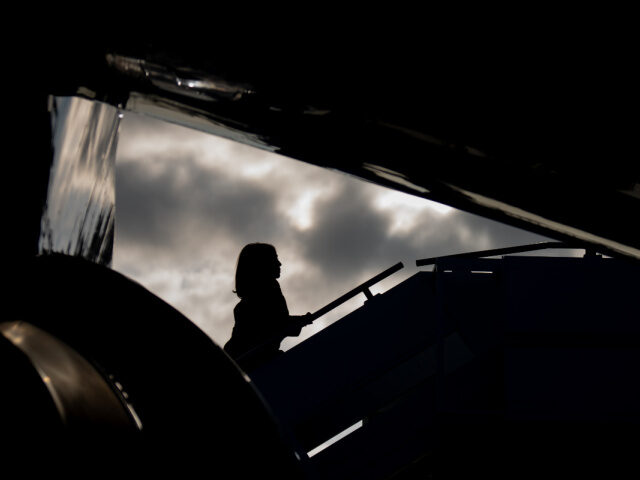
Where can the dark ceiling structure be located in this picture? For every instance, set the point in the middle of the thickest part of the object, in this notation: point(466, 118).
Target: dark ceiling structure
point(528, 133)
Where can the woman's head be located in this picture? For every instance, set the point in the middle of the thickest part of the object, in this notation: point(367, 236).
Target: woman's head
point(258, 264)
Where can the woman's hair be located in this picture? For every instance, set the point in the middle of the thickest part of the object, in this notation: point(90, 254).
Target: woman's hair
point(255, 268)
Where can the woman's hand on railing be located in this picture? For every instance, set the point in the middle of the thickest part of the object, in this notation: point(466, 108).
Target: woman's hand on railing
point(297, 322)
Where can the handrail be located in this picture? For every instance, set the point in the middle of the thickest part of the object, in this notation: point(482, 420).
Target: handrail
point(498, 251)
point(362, 288)
point(310, 318)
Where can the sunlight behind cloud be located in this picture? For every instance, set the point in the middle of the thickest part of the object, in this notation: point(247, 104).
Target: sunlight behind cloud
point(259, 169)
point(300, 213)
point(405, 210)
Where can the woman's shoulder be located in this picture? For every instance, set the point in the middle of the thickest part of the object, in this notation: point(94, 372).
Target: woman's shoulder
point(250, 303)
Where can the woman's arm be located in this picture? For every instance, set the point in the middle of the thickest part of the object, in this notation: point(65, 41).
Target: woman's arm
point(296, 322)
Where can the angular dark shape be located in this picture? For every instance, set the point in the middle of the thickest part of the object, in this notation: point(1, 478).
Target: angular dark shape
point(483, 367)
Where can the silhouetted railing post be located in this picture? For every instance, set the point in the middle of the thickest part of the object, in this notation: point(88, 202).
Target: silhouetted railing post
point(362, 288)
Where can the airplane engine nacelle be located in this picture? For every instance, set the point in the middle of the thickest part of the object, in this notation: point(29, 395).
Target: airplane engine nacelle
point(99, 373)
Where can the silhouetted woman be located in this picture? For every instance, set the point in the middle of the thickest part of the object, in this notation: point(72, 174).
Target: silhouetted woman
point(262, 318)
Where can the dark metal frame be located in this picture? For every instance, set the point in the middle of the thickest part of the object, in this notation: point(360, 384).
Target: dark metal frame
point(499, 251)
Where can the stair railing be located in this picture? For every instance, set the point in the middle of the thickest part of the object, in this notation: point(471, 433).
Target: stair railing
point(310, 318)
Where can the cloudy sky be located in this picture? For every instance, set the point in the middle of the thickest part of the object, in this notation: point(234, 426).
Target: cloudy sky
point(187, 202)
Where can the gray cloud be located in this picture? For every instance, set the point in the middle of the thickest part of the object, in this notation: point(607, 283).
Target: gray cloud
point(347, 235)
point(185, 201)
point(181, 221)
point(350, 235)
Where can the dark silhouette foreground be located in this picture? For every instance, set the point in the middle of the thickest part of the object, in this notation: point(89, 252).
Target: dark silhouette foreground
point(262, 317)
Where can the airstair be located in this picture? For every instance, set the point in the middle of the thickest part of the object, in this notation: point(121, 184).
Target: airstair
point(498, 366)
